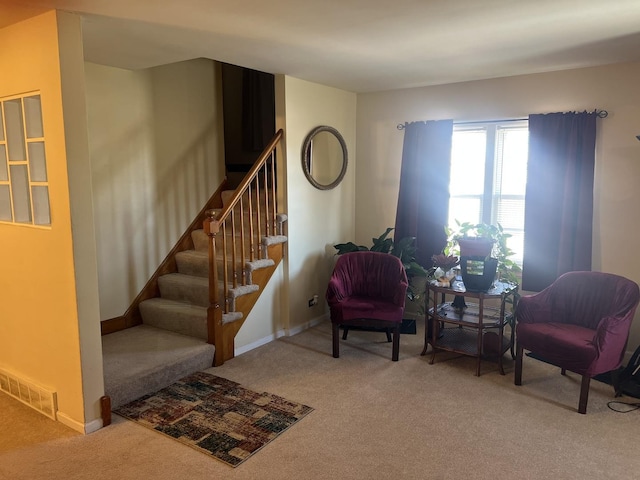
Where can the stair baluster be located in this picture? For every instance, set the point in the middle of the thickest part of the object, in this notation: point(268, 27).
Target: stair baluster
point(257, 225)
point(214, 312)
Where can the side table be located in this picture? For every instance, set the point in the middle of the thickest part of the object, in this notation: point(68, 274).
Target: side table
point(475, 329)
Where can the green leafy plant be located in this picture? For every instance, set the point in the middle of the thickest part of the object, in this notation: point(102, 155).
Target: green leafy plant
point(404, 249)
point(508, 270)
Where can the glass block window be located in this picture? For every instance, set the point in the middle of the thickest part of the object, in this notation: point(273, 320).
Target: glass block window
point(24, 187)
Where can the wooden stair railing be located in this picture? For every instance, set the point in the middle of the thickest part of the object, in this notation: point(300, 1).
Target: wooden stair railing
point(255, 199)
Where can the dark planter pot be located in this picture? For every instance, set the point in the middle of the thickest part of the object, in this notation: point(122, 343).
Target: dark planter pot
point(478, 272)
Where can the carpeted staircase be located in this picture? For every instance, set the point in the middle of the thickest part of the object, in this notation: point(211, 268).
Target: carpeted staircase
point(184, 296)
point(172, 340)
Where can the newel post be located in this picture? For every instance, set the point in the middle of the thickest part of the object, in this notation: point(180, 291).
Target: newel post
point(214, 311)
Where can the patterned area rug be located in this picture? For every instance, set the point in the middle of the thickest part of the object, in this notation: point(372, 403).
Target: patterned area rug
point(216, 416)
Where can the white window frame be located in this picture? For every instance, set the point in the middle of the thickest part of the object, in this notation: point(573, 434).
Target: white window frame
point(490, 198)
point(38, 212)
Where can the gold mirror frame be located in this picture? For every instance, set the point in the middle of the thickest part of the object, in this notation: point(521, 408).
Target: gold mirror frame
point(308, 157)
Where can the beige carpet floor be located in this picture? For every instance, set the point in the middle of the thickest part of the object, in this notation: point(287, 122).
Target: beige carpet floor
point(373, 419)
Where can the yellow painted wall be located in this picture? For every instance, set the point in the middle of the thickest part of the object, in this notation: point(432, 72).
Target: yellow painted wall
point(617, 175)
point(39, 326)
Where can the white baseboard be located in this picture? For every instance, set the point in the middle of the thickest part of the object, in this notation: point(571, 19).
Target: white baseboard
point(256, 344)
point(301, 328)
point(85, 428)
point(280, 333)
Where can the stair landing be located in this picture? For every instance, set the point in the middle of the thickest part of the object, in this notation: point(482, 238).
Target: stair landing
point(144, 359)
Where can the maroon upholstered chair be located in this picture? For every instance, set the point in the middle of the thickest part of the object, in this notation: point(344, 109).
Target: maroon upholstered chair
point(579, 323)
point(367, 289)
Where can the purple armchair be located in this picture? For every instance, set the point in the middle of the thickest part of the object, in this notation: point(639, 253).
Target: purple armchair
point(367, 289)
point(579, 323)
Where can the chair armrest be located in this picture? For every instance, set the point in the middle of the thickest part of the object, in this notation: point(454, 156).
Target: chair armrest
point(336, 292)
point(612, 333)
point(400, 294)
point(533, 309)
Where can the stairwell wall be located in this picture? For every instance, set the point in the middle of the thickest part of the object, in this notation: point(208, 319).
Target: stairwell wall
point(157, 156)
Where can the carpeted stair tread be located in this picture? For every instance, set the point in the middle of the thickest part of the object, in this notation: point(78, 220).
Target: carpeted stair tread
point(274, 239)
point(257, 265)
point(185, 288)
point(144, 359)
point(179, 317)
point(201, 240)
point(231, 317)
point(195, 290)
point(193, 262)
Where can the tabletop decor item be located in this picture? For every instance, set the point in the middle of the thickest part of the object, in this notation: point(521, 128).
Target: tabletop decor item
point(445, 268)
point(484, 254)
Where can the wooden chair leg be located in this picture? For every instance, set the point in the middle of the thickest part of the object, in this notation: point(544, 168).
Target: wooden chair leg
point(395, 349)
point(105, 410)
point(517, 380)
point(345, 332)
point(563, 371)
point(336, 339)
point(584, 394)
point(388, 332)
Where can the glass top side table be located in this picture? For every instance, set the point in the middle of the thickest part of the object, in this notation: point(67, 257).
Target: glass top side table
point(467, 325)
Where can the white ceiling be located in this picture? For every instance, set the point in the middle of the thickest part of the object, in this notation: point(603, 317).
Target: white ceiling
point(363, 45)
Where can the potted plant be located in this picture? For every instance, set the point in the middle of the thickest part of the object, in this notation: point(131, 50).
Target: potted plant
point(444, 268)
point(484, 254)
point(405, 250)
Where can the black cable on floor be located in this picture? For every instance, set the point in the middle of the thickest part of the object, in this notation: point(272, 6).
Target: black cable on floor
point(629, 407)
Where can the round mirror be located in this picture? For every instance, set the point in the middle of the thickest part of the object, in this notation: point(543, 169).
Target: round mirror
point(324, 157)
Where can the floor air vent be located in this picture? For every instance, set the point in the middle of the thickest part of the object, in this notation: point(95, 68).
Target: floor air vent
point(37, 397)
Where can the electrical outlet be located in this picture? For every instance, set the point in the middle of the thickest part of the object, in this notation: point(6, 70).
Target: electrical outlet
point(313, 301)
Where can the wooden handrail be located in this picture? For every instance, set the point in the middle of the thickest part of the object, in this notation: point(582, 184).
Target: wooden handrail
point(234, 256)
point(249, 177)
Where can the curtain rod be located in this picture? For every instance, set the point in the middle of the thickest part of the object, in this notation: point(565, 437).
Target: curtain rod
point(600, 113)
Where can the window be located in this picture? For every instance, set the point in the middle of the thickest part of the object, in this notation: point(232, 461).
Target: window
point(488, 177)
point(24, 188)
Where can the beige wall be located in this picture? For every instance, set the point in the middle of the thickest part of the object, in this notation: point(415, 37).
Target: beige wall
point(318, 219)
point(267, 318)
point(613, 88)
point(156, 153)
point(82, 221)
point(43, 318)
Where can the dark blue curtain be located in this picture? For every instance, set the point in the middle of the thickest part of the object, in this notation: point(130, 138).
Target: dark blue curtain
point(423, 199)
point(559, 197)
